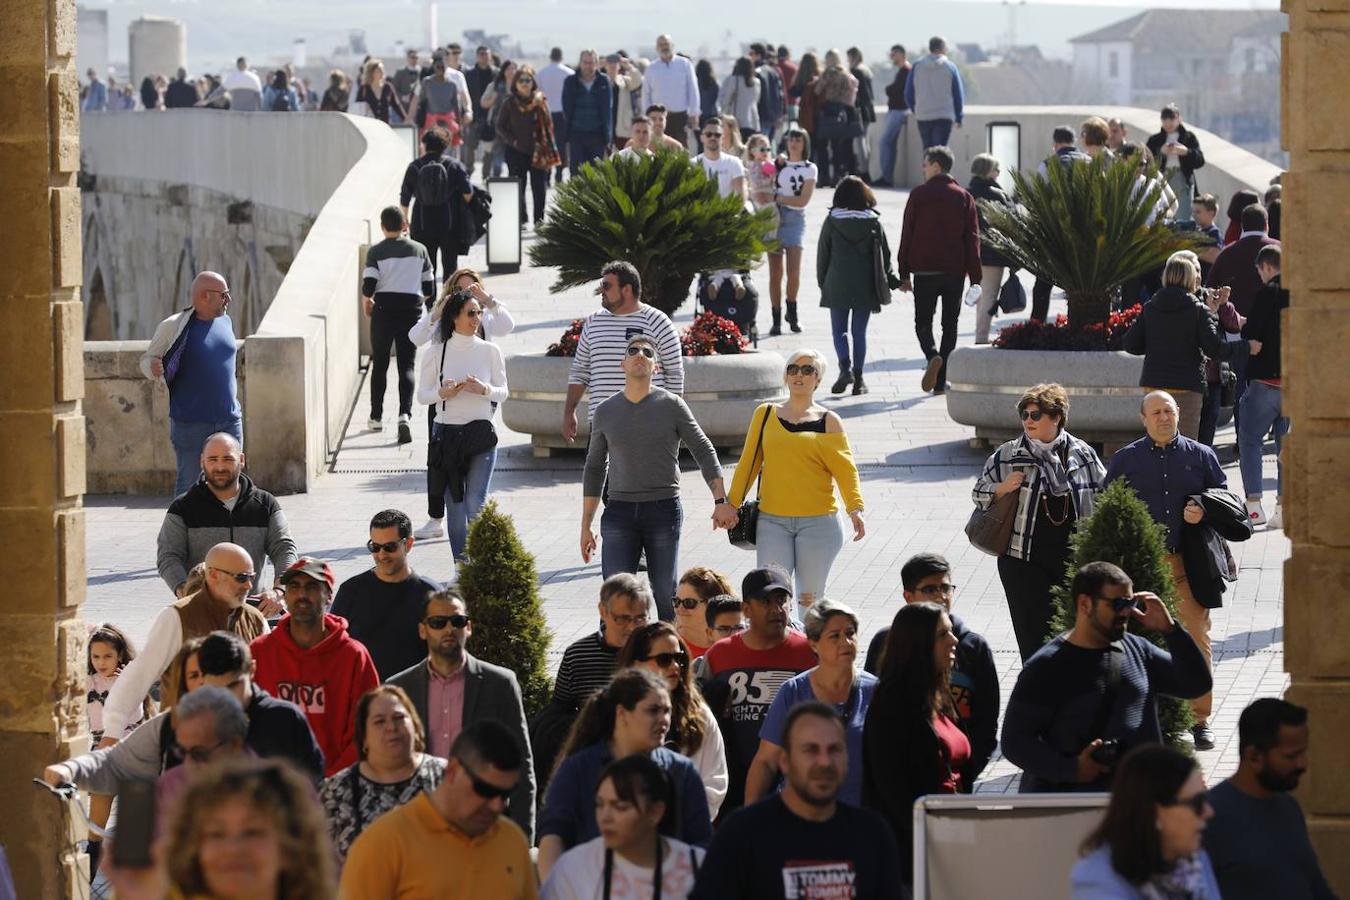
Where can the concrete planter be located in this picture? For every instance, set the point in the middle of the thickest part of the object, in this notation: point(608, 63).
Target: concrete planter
point(722, 392)
point(1103, 387)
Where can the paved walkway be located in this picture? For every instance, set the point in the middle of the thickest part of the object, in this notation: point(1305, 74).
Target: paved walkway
point(917, 470)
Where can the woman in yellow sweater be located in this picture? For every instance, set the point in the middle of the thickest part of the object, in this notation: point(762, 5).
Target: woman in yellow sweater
point(802, 451)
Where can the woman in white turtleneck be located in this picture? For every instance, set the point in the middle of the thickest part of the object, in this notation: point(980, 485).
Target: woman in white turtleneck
point(464, 376)
point(1057, 478)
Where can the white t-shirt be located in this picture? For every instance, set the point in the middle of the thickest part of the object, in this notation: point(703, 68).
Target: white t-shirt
point(580, 874)
point(792, 178)
point(635, 153)
point(725, 169)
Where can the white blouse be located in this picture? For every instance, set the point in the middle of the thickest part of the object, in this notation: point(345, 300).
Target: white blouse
point(464, 356)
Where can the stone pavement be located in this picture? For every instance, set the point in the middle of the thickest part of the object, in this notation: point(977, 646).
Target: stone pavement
point(917, 469)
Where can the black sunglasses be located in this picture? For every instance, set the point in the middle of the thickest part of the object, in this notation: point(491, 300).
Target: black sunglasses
point(686, 602)
point(239, 577)
point(436, 623)
point(804, 369)
point(716, 134)
point(1033, 414)
point(484, 789)
point(388, 547)
point(663, 660)
point(645, 351)
point(1196, 803)
point(1120, 604)
point(474, 313)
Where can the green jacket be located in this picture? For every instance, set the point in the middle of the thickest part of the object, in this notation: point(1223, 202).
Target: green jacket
point(844, 261)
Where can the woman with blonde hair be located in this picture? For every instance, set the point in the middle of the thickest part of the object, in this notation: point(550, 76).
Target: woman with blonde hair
point(732, 136)
point(378, 94)
point(799, 452)
point(837, 91)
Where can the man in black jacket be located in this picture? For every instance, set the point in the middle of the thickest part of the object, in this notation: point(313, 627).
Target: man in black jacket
point(927, 577)
point(1177, 150)
point(1261, 403)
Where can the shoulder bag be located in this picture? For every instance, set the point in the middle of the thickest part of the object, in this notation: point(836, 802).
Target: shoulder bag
point(880, 283)
point(742, 534)
point(990, 527)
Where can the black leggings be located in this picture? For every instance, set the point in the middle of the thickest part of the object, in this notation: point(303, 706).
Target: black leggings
point(518, 164)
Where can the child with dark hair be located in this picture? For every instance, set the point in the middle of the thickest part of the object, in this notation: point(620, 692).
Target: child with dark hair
point(108, 652)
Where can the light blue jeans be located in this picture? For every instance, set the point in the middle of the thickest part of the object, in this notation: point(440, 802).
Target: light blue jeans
point(1262, 412)
point(459, 515)
point(803, 545)
point(895, 124)
point(187, 439)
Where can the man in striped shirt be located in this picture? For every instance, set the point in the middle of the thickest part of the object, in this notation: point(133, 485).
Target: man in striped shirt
point(398, 275)
point(597, 367)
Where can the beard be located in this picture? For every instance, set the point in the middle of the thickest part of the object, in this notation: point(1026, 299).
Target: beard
point(1280, 784)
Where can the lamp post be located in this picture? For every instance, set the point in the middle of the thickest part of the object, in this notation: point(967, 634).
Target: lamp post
point(503, 233)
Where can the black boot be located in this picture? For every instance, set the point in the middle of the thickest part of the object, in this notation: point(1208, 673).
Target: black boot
point(843, 381)
point(777, 328)
point(791, 317)
point(858, 386)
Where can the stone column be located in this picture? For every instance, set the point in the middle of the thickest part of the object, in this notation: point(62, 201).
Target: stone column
point(41, 440)
point(1316, 64)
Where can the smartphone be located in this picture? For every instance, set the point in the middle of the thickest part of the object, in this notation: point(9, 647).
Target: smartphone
point(135, 824)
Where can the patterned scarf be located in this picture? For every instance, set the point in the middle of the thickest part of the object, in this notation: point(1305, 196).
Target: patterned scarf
point(1185, 881)
point(1050, 461)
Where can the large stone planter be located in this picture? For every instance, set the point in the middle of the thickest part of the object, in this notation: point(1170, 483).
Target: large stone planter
point(1103, 388)
point(722, 392)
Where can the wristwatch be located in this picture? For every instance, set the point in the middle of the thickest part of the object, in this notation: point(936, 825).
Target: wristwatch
point(718, 501)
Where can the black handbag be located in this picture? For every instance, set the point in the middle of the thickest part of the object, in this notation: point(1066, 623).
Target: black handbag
point(880, 283)
point(1012, 297)
point(837, 121)
point(743, 533)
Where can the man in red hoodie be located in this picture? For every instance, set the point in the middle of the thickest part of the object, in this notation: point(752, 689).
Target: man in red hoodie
point(939, 250)
point(310, 660)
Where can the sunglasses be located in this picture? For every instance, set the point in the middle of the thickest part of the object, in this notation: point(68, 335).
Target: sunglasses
point(239, 577)
point(1197, 803)
point(663, 660)
point(1034, 415)
point(436, 623)
point(485, 789)
point(473, 313)
point(686, 602)
point(1120, 604)
point(645, 351)
point(525, 80)
point(389, 547)
point(713, 134)
point(805, 369)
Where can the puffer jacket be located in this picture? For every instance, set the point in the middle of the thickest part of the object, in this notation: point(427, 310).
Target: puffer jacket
point(1174, 333)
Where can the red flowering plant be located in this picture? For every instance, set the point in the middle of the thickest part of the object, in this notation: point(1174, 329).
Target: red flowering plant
point(711, 334)
point(567, 344)
point(1059, 335)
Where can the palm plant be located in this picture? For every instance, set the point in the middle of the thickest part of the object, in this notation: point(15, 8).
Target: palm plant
point(1085, 227)
point(663, 215)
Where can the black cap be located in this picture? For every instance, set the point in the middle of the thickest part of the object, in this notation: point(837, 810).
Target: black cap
point(759, 583)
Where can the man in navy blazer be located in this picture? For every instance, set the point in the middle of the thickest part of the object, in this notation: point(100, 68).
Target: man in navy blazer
point(451, 689)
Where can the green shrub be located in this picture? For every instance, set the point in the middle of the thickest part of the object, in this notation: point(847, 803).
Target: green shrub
point(664, 215)
point(1121, 531)
point(501, 585)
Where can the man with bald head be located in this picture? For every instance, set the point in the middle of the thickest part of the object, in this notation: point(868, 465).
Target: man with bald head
point(193, 351)
point(220, 605)
point(1166, 469)
point(224, 505)
point(670, 82)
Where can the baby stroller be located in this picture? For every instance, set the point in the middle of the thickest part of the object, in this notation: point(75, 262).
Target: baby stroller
point(724, 301)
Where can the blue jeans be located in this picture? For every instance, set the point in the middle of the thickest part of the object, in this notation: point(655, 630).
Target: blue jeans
point(584, 148)
point(459, 515)
point(187, 439)
point(935, 132)
point(1261, 412)
point(803, 545)
point(627, 529)
point(839, 326)
point(890, 138)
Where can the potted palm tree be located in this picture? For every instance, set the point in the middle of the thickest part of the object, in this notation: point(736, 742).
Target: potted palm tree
point(1089, 228)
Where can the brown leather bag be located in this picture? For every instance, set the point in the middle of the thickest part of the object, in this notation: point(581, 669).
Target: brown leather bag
point(990, 528)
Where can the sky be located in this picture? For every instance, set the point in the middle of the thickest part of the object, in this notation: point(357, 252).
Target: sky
point(266, 29)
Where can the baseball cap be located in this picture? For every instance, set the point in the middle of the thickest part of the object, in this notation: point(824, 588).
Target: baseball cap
point(612, 58)
point(758, 583)
point(308, 565)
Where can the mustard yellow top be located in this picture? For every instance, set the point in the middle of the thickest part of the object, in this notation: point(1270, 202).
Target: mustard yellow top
point(800, 469)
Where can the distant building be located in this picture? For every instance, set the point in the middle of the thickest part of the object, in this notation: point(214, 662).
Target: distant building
point(1221, 66)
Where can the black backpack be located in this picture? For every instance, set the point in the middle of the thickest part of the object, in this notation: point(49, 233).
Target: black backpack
point(433, 184)
point(282, 102)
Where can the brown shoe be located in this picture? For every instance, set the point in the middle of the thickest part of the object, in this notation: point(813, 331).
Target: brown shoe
point(930, 374)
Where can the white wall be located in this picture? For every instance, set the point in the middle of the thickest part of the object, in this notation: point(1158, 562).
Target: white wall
point(1092, 75)
point(91, 41)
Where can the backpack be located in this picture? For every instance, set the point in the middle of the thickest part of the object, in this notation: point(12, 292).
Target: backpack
point(281, 103)
point(433, 184)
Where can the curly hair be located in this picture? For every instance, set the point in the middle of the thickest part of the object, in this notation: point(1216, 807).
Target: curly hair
point(1048, 398)
point(277, 794)
point(686, 703)
point(707, 583)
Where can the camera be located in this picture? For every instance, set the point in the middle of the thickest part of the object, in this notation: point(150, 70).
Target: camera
point(1108, 754)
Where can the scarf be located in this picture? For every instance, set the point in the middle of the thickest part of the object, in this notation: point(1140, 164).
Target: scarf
point(1185, 881)
point(1050, 461)
point(545, 148)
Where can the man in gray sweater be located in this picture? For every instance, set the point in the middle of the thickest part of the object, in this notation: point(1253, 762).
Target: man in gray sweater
point(635, 438)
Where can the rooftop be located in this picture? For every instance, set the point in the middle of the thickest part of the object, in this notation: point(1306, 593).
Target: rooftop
point(1197, 29)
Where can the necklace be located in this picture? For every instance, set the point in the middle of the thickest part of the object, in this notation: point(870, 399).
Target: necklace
point(1065, 510)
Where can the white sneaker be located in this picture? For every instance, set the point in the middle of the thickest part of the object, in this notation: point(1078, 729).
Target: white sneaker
point(404, 430)
point(434, 529)
point(1276, 522)
point(1255, 513)
point(374, 425)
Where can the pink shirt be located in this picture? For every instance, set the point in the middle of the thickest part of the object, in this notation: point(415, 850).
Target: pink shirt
point(445, 710)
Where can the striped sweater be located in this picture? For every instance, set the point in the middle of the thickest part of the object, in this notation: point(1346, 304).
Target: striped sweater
point(398, 271)
point(600, 352)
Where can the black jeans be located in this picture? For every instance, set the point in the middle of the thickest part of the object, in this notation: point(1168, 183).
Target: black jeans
point(389, 324)
point(1040, 299)
point(440, 244)
point(835, 158)
point(518, 164)
point(1027, 586)
point(560, 138)
point(436, 481)
point(928, 289)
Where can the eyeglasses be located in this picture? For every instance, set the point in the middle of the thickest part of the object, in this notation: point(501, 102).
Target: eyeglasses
point(728, 630)
point(199, 755)
point(804, 369)
point(638, 620)
point(224, 293)
point(645, 351)
point(389, 547)
point(485, 789)
point(239, 577)
point(1197, 803)
point(1120, 604)
point(436, 623)
point(1033, 414)
point(686, 602)
point(932, 590)
point(663, 660)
